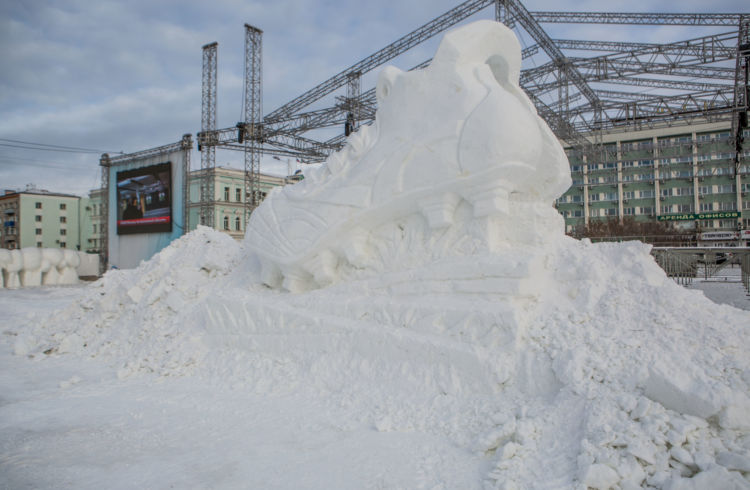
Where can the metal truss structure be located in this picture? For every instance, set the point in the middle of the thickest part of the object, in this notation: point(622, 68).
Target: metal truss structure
point(208, 138)
point(252, 126)
point(582, 88)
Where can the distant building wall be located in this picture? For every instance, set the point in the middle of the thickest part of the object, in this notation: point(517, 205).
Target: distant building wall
point(683, 175)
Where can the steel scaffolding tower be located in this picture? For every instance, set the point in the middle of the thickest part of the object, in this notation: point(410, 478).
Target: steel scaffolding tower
point(207, 136)
point(741, 89)
point(252, 128)
point(105, 162)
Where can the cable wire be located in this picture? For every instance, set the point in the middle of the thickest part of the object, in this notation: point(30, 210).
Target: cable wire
point(28, 145)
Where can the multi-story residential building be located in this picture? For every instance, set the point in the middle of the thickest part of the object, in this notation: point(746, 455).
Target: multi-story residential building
point(38, 218)
point(684, 175)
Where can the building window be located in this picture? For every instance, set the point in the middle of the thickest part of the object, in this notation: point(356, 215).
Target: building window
point(238, 195)
point(226, 220)
point(226, 193)
point(38, 244)
point(38, 218)
point(63, 231)
point(94, 227)
point(63, 219)
point(38, 205)
point(707, 206)
point(63, 206)
point(38, 231)
point(62, 244)
point(237, 223)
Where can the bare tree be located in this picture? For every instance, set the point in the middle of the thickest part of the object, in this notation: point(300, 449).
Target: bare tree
point(658, 233)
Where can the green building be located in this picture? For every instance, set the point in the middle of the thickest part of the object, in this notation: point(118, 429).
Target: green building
point(38, 218)
point(685, 175)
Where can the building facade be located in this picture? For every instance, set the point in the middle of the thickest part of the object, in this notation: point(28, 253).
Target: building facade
point(91, 222)
point(682, 175)
point(38, 218)
point(229, 200)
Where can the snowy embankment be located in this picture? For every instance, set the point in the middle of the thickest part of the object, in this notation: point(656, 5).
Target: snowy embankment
point(410, 315)
point(609, 374)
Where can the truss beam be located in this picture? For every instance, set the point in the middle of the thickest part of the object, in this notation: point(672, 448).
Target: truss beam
point(376, 59)
point(654, 19)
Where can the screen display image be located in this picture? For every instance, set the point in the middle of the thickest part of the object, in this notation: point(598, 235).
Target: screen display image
point(144, 200)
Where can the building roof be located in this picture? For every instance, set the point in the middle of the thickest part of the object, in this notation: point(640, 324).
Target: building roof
point(36, 192)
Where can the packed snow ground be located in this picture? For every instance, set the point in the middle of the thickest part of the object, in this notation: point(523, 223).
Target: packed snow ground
point(346, 388)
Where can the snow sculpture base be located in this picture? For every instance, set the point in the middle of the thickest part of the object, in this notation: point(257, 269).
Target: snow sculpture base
point(456, 163)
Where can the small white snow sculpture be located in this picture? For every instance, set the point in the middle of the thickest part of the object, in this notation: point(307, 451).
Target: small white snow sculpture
point(4, 259)
point(51, 258)
point(32, 266)
point(31, 274)
point(67, 267)
point(12, 268)
point(458, 135)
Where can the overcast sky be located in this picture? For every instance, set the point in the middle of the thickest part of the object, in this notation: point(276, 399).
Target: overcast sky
point(126, 76)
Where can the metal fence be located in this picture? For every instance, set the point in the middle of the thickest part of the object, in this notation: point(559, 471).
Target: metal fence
point(684, 264)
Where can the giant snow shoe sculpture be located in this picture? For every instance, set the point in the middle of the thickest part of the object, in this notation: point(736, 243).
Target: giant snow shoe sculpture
point(458, 133)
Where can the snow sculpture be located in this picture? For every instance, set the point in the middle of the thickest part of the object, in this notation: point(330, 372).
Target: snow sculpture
point(67, 267)
point(33, 266)
point(31, 274)
point(457, 135)
point(12, 268)
point(4, 259)
point(51, 258)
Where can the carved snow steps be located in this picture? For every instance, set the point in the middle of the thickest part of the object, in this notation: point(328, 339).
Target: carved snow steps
point(323, 267)
point(270, 274)
point(439, 209)
point(356, 249)
point(297, 280)
point(489, 199)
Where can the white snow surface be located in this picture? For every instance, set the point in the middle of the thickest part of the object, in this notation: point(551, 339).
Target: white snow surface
point(457, 349)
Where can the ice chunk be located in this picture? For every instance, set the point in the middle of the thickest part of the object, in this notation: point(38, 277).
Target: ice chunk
point(678, 391)
point(599, 476)
point(714, 478)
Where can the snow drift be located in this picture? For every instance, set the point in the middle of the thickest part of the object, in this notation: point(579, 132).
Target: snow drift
point(434, 291)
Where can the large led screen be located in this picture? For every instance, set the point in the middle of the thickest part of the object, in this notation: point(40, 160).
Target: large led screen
point(144, 200)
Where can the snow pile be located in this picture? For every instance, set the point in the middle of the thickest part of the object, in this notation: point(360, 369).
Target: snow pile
point(33, 266)
point(434, 292)
point(132, 316)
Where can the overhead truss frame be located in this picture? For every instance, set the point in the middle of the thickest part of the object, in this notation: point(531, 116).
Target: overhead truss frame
point(660, 84)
